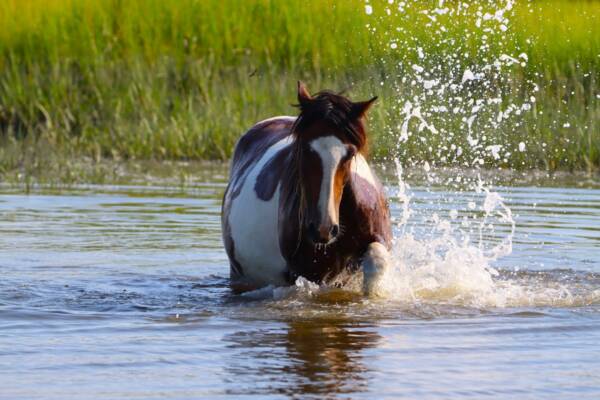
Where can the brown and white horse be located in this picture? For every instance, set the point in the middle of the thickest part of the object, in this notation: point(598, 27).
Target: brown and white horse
point(302, 200)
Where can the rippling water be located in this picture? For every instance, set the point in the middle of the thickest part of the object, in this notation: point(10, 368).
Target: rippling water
point(121, 292)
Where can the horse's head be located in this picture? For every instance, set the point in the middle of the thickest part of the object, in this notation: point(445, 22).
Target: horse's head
point(329, 133)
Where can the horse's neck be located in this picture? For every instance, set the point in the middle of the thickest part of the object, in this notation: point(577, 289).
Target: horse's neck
point(290, 183)
point(349, 201)
point(290, 215)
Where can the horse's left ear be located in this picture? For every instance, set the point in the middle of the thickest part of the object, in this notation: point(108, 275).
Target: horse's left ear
point(303, 95)
point(360, 108)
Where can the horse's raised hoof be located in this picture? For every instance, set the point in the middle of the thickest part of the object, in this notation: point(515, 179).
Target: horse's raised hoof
point(375, 263)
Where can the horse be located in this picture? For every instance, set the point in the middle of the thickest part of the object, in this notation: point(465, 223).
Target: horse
point(302, 200)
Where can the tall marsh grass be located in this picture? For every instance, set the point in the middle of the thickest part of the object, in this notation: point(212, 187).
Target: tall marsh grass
point(182, 79)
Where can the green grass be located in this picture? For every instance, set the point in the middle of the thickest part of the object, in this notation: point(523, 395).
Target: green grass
point(152, 79)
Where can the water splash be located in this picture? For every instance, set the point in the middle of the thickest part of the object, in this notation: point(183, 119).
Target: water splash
point(450, 259)
point(452, 80)
point(456, 106)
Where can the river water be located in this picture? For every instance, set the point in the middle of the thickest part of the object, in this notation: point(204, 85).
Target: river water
point(121, 292)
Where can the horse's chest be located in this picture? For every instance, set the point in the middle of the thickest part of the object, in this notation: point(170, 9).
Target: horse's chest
point(319, 264)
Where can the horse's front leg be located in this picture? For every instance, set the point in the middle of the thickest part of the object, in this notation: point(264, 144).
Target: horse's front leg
point(375, 262)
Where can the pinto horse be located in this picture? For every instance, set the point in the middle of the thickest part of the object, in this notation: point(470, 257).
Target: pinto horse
point(302, 200)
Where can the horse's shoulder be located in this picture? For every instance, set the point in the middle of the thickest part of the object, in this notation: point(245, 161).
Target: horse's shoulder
point(271, 173)
point(360, 167)
point(367, 189)
point(369, 205)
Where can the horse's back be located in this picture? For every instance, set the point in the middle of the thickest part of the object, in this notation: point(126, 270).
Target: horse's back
point(255, 142)
point(251, 203)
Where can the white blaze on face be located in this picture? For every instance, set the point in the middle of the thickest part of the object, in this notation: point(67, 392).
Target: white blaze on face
point(331, 150)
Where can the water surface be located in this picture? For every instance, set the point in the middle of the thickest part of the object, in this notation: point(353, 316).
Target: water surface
point(121, 292)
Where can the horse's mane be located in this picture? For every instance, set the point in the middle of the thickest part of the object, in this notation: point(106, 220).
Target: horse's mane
point(335, 110)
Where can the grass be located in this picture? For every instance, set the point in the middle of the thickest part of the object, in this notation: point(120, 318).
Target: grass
point(181, 80)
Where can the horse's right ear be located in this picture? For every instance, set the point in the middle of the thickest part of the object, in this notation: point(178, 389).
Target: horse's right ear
point(303, 95)
point(360, 108)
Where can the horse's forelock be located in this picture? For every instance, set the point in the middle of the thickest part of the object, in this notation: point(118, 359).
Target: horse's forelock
point(335, 110)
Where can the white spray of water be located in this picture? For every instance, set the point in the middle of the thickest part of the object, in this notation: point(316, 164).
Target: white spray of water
point(454, 102)
point(446, 266)
point(453, 105)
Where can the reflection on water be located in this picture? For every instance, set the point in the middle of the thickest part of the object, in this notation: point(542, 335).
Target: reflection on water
point(123, 291)
point(313, 357)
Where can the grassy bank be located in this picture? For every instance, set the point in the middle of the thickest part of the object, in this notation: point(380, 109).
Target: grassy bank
point(150, 79)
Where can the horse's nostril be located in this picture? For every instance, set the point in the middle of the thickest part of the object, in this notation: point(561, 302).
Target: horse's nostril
point(335, 230)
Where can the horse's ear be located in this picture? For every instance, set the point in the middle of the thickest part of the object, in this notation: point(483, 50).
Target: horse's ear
point(360, 108)
point(303, 95)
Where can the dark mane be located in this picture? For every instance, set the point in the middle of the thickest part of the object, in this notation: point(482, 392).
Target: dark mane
point(335, 110)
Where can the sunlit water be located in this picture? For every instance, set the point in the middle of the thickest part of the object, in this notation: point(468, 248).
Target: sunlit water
point(121, 292)
point(494, 292)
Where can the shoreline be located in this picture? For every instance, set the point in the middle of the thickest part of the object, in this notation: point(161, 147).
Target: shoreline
point(83, 172)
